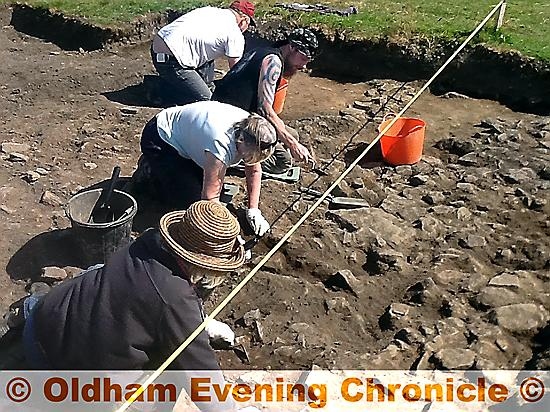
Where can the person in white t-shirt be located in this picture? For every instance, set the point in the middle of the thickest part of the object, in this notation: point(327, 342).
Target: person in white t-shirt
point(186, 151)
point(184, 51)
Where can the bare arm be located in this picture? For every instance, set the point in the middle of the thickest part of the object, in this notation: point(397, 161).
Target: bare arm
point(253, 183)
point(214, 173)
point(267, 84)
point(232, 61)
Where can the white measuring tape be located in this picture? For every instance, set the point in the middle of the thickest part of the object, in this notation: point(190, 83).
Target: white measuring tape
point(293, 229)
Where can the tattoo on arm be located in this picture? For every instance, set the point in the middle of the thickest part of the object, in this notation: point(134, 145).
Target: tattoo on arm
point(269, 74)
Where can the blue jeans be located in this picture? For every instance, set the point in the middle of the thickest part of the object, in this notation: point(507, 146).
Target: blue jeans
point(34, 353)
point(185, 84)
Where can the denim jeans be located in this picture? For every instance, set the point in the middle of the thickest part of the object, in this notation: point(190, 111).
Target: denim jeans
point(185, 85)
point(164, 175)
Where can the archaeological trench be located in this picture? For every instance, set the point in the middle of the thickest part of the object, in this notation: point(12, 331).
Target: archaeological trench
point(448, 267)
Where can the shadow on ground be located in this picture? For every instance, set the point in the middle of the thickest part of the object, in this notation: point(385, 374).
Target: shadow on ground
point(56, 248)
point(63, 247)
point(145, 94)
point(372, 159)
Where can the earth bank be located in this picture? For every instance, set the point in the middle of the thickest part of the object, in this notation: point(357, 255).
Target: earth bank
point(448, 267)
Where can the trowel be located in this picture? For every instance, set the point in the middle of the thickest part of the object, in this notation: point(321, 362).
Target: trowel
point(337, 202)
point(102, 212)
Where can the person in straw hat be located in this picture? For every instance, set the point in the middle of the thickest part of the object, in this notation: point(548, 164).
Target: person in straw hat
point(134, 311)
point(186, 151)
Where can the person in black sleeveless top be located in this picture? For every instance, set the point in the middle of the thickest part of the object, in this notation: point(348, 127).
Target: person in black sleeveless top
point(252, 82)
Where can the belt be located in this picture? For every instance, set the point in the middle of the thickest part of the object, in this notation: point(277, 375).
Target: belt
point(163, 57)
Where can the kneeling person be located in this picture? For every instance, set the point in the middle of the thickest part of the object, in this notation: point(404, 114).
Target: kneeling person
point(132, 313)
point(187, 150)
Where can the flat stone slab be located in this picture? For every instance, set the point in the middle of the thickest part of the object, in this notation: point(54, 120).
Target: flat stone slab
point(522, 317)
point(505, 280)
point(454, 358)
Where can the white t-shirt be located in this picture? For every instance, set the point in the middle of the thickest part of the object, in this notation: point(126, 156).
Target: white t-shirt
point(203, 35)
point(197, 128)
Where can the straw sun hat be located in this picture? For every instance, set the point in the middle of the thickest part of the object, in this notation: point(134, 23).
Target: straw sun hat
point(205, 235)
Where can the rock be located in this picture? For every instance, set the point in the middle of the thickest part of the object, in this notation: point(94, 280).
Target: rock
point(300, 327)
point(31, 177)
point(404, 170)
point(50, 199)
point(54, 272)
point(87, 130)
point(441, 210)
point(344, 280)
point(72, 271)
point(410, 336)
point(7, 210)
point(469, 159)
point(406, 209)
point(369, 195)
point(357, 183)
point(467, 187)
point(18, 157)
point(455, 95)
point(505, 280)
point(456, 147)
point(258, 331)
point(129, 110)
point(433, 198)
point(12, 147)
point(374, 223)
point(383, 260)
point(492, 297)
point(425, 291)
point(250, 316)
point(338, 304)
point(472, 241)
point(419, 180)
point(356, 113)
point(520, 318)
point(41, 171)
point(434, 228)
point(455, 358)
point(493, 125)
point(39, 288)
point(522, 175)
point(361, 105)
point(449, 277)
point(90, 165)
point(463, 214)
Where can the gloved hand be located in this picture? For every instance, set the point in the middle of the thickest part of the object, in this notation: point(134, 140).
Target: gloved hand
point(247, 253)
point(219, 330)
point(256, 220)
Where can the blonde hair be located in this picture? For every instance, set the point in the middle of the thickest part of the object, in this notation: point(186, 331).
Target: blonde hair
point(204, 278)
point(258, 135)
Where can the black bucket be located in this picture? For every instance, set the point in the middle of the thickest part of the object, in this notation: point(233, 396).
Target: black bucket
point(98, 241)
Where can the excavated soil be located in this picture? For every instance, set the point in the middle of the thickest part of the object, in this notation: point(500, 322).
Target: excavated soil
point(448, 267)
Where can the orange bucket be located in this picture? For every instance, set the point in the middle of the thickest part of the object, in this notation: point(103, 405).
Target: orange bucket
point(403, 143)
point(280, 96)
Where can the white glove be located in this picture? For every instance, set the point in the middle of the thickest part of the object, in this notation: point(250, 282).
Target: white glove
point(219, 330)
point(257, 221)
point(247, 253)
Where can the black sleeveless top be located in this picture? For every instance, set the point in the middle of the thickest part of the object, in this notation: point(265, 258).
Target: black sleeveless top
point(239, 86)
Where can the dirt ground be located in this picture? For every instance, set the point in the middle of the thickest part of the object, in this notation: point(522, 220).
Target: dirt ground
point(68, 107)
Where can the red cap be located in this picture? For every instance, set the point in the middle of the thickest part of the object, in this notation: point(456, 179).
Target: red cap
point(244, 7)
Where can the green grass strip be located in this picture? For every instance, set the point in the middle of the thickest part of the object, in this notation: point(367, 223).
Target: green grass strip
point(526, 24)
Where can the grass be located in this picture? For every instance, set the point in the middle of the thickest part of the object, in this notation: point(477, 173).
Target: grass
point(526, 25)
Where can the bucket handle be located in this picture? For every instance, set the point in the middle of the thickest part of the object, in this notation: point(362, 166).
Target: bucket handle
point(386, 116)
point(415, 128)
